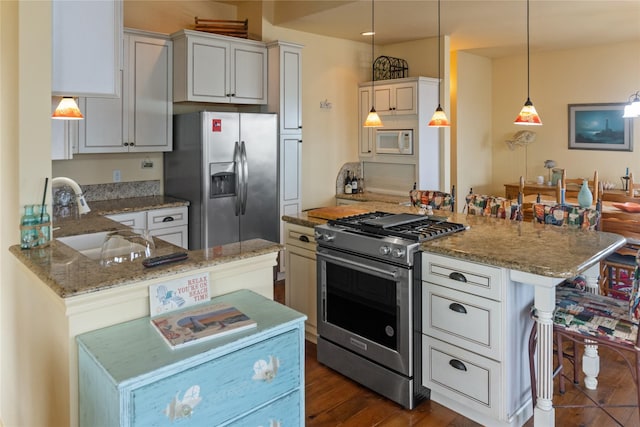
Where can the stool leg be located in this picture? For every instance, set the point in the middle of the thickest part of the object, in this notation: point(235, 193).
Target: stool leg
point(560, 352)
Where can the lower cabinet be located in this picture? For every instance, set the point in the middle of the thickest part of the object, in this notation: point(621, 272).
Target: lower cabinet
point(168, 224)
point(300, 275)
point(129, 376)
point(475, 328)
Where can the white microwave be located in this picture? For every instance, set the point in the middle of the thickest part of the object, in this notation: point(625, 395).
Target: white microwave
point(394, 141)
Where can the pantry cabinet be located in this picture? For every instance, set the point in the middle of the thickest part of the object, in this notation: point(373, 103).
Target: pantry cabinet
point(86, 40)
point(218, 69)
point(474, 351)
point(128, 375)
point(168, 224)
point(300, 275)
point(285, 99)
point(141, 120)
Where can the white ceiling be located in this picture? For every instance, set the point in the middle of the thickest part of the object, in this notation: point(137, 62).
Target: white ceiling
point(490, 28)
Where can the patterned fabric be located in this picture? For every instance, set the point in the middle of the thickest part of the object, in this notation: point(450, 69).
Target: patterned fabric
point(634, 297)
point(594, 315)
point(435, 199)
point(497, 207)
point(565, 215)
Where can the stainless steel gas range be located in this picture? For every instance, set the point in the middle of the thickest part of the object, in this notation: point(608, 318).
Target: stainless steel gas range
point(369, 307)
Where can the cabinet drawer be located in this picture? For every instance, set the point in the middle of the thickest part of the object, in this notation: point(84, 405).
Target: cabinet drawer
point(283, 412)
point(463, 376)
point(131, 219)
point(302, 237)
point(477, 279)
point(228, 386)
point(168, 217)
point(462, 319)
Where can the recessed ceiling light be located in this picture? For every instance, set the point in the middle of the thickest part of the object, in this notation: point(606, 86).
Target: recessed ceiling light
point(368, 33)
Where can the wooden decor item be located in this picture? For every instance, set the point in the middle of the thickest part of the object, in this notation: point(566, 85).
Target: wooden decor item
point(223, 27)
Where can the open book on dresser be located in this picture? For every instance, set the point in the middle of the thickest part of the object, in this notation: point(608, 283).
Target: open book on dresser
point(201, 323)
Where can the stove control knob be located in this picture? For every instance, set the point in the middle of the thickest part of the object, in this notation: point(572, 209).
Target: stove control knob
point(397, 253)
point(329, 237)
point(318, 235)
point(385, 250)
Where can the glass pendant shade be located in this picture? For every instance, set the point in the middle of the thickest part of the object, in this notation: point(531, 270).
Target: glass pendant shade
point(528, 115)
point(67, 109)
point(632, 110)
point(439, 118)
point(373, 120)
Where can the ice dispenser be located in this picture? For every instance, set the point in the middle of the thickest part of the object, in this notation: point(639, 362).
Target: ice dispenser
point(223, 179)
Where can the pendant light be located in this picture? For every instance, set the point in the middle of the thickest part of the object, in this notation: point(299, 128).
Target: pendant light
point(528, 115)
point(373, 120)
point(439, 118)
point(67, 109)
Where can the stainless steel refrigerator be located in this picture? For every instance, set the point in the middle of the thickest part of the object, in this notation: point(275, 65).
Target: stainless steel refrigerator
point(226, 165)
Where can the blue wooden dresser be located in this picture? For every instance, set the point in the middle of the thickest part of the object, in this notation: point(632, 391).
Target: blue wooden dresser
point(129, 376)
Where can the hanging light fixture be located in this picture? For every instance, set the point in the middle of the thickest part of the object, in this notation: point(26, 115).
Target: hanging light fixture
point(439, 118)
point(67, 109)
point(632, 109)
point(373, 120)
point(528, 115)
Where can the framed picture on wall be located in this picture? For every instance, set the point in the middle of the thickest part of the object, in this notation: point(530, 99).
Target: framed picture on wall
point(599, 127)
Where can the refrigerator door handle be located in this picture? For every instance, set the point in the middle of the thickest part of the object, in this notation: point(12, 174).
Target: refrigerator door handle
point(245, 177)
point(237, 159)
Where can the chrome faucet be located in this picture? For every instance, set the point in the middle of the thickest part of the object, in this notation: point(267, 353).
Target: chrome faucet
point(83, 208)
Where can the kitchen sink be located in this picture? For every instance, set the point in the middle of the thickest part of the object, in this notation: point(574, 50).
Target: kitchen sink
point(121, 246)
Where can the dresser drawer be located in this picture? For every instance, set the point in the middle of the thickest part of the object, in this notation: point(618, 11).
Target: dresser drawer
point(462, 319)
point(283, 412)
point(460, 375)
point(226, 386)
point(477, 279)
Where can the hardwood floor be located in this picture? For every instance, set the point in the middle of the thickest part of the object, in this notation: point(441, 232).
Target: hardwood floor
point(334, 400)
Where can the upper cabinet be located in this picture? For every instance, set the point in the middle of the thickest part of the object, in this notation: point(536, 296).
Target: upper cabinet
point(218, 69)
point(395, 98)
point(141, 120)
point(285, 87)
point(86, 54)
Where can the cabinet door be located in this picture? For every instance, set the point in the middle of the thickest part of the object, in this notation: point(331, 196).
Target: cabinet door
point(86, 43)
point(210, 70)
point(291, 95)
point(405, 101)
point(101, 131)
point(178, 236)
point(249, 75)
point(149, 86)
point(365, 134)
point(384, 101)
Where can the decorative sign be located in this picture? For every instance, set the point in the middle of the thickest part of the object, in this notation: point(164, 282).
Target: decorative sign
point(178, 293)
point(216, 125)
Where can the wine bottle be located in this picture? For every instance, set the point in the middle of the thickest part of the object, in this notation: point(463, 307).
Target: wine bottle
point(354, 184)
point(347, 183)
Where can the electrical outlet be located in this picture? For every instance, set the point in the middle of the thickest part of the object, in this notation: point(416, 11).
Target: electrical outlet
point(147, 164)
point(116, 175)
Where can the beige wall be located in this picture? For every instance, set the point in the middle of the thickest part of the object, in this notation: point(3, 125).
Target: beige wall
point(599, 74)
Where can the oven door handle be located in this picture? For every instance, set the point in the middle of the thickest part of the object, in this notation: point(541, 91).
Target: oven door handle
point(362, 267)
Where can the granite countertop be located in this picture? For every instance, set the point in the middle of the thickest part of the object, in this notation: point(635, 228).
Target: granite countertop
point(69, 273)
point(540, 249)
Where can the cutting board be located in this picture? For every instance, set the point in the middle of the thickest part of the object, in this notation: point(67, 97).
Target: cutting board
point(335, 212)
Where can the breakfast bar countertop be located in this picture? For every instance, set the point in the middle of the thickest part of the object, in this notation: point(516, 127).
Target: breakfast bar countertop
point(69, 273)
point(539, 249)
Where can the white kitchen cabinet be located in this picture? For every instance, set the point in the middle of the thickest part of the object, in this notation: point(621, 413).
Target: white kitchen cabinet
point(300, 276)
point(141, 120)
point(285, 99)
point(86, 45)
point(64, 135)
point(218, 69)
point(406, 103)
point(168, 224)
point(474, 347)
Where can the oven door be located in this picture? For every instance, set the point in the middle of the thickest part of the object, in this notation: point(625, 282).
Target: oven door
point(364, 306)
